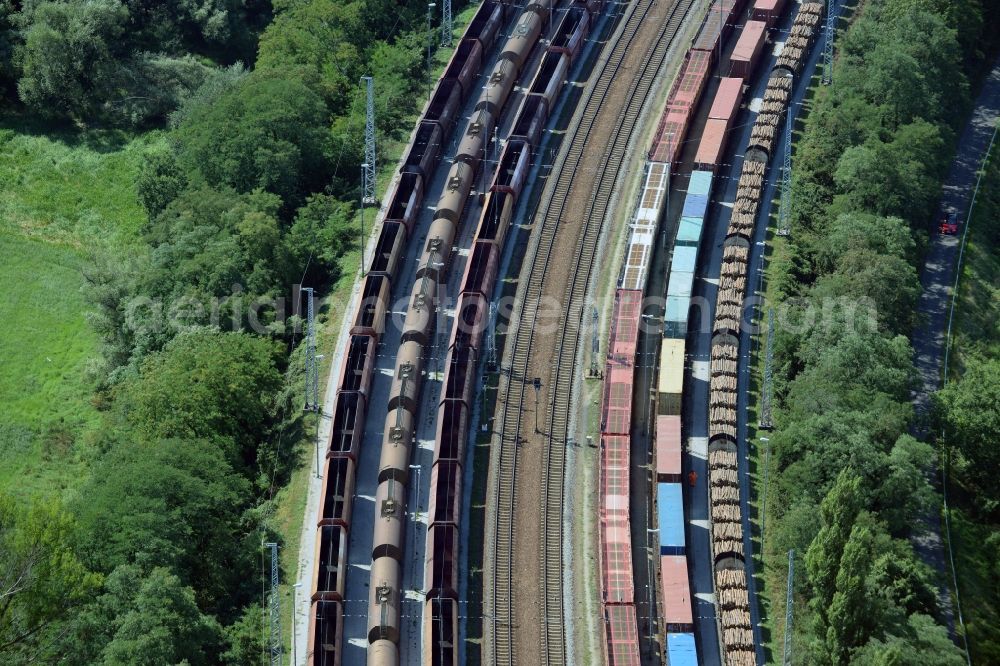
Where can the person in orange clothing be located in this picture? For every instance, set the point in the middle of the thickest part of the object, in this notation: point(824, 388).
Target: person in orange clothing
point(692, 478)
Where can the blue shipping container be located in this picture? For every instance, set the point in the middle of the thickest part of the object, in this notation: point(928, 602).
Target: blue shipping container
point(689, 231)
point(670, 507)
point(701, 183)
point(684, 259)
point(695, 205)
point(681, 283)
point(675, 317)
point(681, 650)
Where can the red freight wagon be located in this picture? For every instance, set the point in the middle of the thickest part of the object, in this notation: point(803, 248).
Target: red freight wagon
point(440, 633)
point(623, 635)
point(748, 49)
point(676, 593)
point(713, 139)
point(446, 103)
point(718, 24)
point(617, 399)
point(616, 562)
point(338, 492)
point(625, 329)
point(614, 477)
point(446, 493)
point(441, 564)
point(452, 429)
point(465, 64)
point(690, 83)
point(768, 11)
point(726, 104)
point(571, 32)
point(485, 24)
point(530, 120)
point(481, 269)
point(551, 74)
point(326, 629)
point(673, 128)
point(668, 448)
point(404, 206)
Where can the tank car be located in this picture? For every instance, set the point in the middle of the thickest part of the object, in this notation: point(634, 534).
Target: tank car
point(419, 321)
point(383, 653)
point(523, 38)
point(390, 512)
point(396, 441)
point(498, 86)
point(384, 601)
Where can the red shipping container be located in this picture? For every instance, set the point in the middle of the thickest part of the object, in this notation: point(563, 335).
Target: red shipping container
point(748, 49)
point(713, 139)
point(676, 591)
point(768, 11)
point(726, 104)
point(668, 448)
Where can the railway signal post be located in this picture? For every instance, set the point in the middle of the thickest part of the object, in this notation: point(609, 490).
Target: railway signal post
point(537, 385)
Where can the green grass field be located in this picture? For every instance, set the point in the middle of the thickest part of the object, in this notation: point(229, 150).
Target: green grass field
point(61, 195)
point(45, 345)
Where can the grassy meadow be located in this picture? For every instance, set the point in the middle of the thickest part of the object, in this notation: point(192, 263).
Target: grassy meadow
point(61, 194)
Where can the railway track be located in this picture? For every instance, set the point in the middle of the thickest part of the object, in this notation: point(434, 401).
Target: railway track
point(504, 481)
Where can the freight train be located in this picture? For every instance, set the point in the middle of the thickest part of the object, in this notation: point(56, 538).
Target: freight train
point(441, 577)
point(441, 115)
point(325, 637)
point(615, 546)
point(733, 608)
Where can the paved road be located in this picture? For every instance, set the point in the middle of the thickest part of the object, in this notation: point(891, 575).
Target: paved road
point(936, 279)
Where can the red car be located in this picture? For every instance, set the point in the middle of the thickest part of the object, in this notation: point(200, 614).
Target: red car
point(949, 224)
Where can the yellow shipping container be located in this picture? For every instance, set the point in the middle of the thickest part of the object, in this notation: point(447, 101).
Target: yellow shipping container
point(671, 376)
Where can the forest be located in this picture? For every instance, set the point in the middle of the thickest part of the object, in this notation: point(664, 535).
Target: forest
point(153, 555)
point(850, 489)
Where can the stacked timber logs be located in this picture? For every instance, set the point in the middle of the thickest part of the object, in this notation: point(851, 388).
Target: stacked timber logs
point(724, 485)
point(737, 635)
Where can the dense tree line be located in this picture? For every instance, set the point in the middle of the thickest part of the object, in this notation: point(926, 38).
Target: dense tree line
point(154, 558)
point(868, 173)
